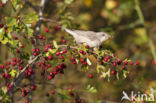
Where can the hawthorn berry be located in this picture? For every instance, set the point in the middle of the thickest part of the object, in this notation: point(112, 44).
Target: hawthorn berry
point(1, 25)
point(90, 75)
point(47, 30)
point(17, 51)
point(50, 57)
point(44, 38)
point(22, 46)
point(40, 36)
point(57, 53)
point(125, 62)
point(87, 46)
point(114, 63)
point(26, 101)
point(81, 60)
point(1, 66)
point(137, 63)
point(113, 72)
point(105, 59)
point(84, 63)
point(65, 51)
point(1, 4)
point(63, 41)
point(71, 93)
point(52, 92)
point(33, 87)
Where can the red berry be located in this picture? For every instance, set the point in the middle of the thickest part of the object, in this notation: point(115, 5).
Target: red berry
point(73, 62)
point(40, 36)
point(43, 38)
point(71, 94)
point(131, 63)
point(72, 59)
point(137, 63)
point(15, 37)
point(64, 41)
point(22, 46)
point(153, 62)
point(9, 63)
point(2, 66)
point(50, 77)
point(50, 57)
point(35, 54)
point(17, 51)
point(47, 30)
point(84, 53)
point(90, 75)
point(65, 51)
point(125, 62)
point(123, 67)
point(81, 60)
point(26, 101)
point(114, 63)
point(20, 68)
point(1, 25)
point(1, 4)
point(34, 50)
point(113, 72)
point(87, 46)
point(84, 63)
point(14, 63)
point(33, 87)
point(81, 51)
point(61, 57)
point(52, 92)
point(105, 59)
point(57, 53)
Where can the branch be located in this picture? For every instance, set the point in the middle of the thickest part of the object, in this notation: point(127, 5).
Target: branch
point(31, 5)
point(37, 31)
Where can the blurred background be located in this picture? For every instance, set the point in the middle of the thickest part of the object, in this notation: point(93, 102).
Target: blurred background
point(132, 24)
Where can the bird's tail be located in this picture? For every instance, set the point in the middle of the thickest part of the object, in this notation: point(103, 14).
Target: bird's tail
point(71, 32)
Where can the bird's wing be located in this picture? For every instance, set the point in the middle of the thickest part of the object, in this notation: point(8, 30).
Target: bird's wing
point(87, 34)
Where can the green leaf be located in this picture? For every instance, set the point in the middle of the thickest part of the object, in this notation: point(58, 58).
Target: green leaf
point(99, 67)
point(55, 44)
point(68, 1)
point(105, 74)
point(2, 32)
point(4, 89)
point(29, 31)
point(125, 73)
point(117, 76)
point(10, 21)
point(30, 18)
point(5, 40)
point(52, 51)
point(91, 89)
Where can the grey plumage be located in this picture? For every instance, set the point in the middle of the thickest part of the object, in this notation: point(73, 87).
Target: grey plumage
point(91, 38)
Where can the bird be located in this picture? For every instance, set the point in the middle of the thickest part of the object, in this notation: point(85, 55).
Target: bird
point(90, 38)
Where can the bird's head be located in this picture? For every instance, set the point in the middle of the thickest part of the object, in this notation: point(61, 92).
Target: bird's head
point(103, 36)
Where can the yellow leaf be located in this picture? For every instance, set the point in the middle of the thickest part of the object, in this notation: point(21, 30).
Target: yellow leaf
point(55, 44)
point(88, 3)
point(13, 73)
point(47, 54)
point(110, 4)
